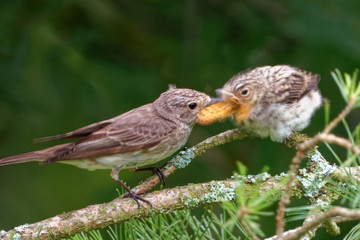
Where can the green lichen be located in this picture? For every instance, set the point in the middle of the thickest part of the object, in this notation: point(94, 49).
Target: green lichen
point(218, 193)
point(192, 202)
point(21, 228)
point(156, 211)
point(308, 236)
point(262, 177)
point(280, 177)
point(183, 159)
point(297, 190)
point(315, 177)
point(295, 139)
point(16, 236)
point(2, 233)
point(331, 227)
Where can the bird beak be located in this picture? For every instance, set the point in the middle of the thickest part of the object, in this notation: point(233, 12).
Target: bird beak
point(225, 95)
point(219, 92)
point(212, 101)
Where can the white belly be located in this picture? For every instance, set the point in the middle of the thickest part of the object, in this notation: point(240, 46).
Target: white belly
point(279, 120)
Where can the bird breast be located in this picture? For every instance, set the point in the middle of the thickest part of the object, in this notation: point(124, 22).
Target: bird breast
point(279, 120)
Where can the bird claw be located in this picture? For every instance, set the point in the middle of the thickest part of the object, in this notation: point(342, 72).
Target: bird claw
point(136, 197)
point(160, 174)
point(155, 170)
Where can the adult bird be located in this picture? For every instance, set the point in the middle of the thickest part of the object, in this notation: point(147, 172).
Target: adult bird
point(142, 136)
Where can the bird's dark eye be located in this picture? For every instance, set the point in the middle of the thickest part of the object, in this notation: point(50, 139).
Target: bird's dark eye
point(244, 92)
point(192, 105)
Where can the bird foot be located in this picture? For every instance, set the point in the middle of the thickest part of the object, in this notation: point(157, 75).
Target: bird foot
point(136, 197)
point(155, 170)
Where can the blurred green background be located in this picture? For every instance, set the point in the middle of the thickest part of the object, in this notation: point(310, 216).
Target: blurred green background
point(65, 64)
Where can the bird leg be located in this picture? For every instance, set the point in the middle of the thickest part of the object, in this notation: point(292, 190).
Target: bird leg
point(155, 170)
point(115, 175)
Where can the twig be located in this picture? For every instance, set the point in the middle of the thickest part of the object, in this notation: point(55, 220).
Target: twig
point(341, 115)
point(347, 174)
point(316, 220)
point(248, 230)
point(333, 139)
point(285, 199)
point(344, 219)
point(304, 148)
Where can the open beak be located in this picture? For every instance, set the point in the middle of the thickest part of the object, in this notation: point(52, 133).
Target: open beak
point(213, 100)
point(216, 110)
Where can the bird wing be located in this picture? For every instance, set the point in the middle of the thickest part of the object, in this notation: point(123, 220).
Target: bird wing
point(292, 88)
point(79, 133)
point(136, 130)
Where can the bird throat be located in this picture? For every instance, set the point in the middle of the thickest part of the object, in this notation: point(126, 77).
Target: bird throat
point(242, 112)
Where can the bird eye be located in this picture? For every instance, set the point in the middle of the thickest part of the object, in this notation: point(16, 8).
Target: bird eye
point(244, 92)
point(192, 105)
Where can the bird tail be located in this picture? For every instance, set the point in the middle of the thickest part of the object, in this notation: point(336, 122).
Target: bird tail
point(21, 158)
point(33, 156)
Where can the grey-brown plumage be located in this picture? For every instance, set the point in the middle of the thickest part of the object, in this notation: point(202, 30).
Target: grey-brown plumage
point(273, 100)
point(142, 136)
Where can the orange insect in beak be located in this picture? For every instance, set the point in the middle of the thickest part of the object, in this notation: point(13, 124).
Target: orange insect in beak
point(216, 110)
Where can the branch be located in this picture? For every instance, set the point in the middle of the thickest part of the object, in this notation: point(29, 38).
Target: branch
point(123, 209)
point(343, 142)
point(306, 147)
point(248, 230)
point(341, 115)
point(314, 221)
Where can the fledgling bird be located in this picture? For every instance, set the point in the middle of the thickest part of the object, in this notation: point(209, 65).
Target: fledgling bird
point(142, 136)
point(269, 101)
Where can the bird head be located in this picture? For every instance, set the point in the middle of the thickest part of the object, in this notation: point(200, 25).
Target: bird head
point(239, 96)
point(181, 104)
point(236, 98)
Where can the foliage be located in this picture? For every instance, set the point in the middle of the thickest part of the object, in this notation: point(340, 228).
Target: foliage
point(175, 225)
point(349, 85)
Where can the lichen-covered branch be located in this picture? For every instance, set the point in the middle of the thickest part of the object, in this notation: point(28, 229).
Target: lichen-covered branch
point(304, 148)
point(125, 209)
point(164, 201)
